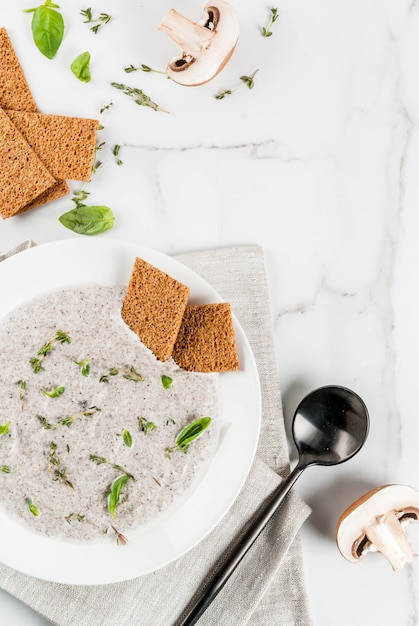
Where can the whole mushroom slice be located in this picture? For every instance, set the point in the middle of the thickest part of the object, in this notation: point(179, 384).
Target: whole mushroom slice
point(205, 46)
point(376, 523)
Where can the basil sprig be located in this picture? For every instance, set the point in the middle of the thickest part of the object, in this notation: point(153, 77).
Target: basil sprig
point(47, 28)
point(190, 433)
point(81, 67)
point(88, 220)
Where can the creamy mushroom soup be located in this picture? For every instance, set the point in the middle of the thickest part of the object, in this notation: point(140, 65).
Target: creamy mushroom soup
point(89, 418)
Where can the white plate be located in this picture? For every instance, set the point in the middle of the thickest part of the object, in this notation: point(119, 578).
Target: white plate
point(105, 261)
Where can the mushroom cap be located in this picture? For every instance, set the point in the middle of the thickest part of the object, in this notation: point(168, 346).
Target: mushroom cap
point(350, 529)
point(190, 71)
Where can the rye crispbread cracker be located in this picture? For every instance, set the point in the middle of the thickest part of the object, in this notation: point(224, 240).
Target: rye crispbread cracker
point(58, 190)
point(153, 307)
point(206, 341)
point(23, 176)
point(66, 145)
point(14, 89)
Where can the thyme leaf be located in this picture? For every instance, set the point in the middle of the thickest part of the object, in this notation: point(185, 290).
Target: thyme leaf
point(5, 469)
point(145, 426)
point(115, 492)
point(166, 381)
point(22, 385)
point(130, 374)
point(139, 96)
point(4, 429)
point(126, 438)
point(32, 507)
point(69, 518)
point(190, 433)
point(84, 366)
point(54, 393)
point(115, 151)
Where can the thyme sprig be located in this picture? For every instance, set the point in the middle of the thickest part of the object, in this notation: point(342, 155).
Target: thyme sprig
point(115, 151)
point(22, 393)
point(144, 68)
point(84, 366)
point(266, 31)
point(247, 81)
point(36, 361)
point(98, 22)
point(60, 476)
point(71, 516)
point(68, 419)
point(139, 96)
point(145, 425)
point(130, 374)
point(100, 460)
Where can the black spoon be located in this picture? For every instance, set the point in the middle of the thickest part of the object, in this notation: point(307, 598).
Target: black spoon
point(330, 426)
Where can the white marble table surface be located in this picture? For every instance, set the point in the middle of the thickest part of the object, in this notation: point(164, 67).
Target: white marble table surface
point(318, 164)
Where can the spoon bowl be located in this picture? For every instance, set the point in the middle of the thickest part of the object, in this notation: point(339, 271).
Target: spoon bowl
point(330, 426)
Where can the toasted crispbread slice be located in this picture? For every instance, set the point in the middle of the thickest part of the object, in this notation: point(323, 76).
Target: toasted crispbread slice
point(58, 190)
point(206, 341)
point(153, 307)
point(23, 176)
point(14, 89)
point(66, 145)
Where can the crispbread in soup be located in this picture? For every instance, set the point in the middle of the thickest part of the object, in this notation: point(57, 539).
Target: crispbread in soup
point(206, 341)
point(153, 307)
point(23, 177)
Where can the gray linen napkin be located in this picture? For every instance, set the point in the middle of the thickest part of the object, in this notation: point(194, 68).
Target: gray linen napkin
point(268, 586)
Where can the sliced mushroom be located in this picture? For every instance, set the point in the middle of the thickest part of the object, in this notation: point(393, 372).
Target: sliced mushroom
point(376, 523)
point(206, 46)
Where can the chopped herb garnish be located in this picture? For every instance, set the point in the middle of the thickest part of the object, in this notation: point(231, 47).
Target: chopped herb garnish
point(126, 438)
point(166, 381)
point(5, 469)
point(190, 433)
point(84, 366)
point(129, 374)
point(139, 96)
point(59, 337)
point(120, 539)
point(54, 393)
point(22, 385)
point(246, 80)
point(98, 22)
point(266, 31)
point(32, 507)
point(69, 419)
point(145, 426)
point(60, 476)
point(4, 428)
point(100, 460)
point(115, 492)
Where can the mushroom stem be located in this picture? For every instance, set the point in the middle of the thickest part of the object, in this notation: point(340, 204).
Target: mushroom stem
point(389, 538)
point(191, 37)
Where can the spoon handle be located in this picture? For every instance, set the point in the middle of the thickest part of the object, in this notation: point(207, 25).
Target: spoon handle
point(223, 574)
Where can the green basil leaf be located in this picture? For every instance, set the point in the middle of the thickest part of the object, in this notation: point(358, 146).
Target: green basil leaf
point(166, 381)
point(4, 429)
point(191, 432)
point(81, 67)
point(88, 220)
point(115, 492)
point(47, 29)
